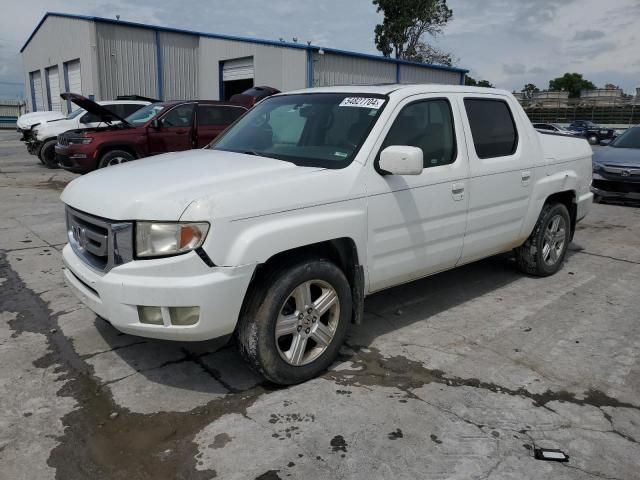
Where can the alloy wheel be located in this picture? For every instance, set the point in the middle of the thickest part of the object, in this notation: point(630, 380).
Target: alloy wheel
point(554, 240)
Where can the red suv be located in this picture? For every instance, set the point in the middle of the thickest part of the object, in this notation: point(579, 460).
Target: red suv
point(157, 128)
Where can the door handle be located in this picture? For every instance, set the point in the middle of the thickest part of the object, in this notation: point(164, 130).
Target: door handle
point(526, 177)
point(457, 191)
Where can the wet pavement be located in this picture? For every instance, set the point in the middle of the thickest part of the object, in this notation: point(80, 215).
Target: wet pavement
point(457, 376)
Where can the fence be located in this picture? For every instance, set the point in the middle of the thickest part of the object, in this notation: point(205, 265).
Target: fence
point(622, 112)
point(10, 110)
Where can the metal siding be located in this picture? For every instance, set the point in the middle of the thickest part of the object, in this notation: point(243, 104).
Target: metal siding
point(53, 88)
point(179, 54)
point(415, 74)
point(57, 41)
point(126, 61)
point(281, 68)
point(331, 69)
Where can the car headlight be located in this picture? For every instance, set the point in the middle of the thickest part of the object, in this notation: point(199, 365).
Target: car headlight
point(597, 166)
point(80, 140)
point(159, 239)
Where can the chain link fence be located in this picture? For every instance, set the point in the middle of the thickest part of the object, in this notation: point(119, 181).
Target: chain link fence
point(619, 112)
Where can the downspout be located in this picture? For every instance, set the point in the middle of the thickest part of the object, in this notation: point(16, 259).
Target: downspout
point(309, 67)
point(397, 72)
point(159, 67)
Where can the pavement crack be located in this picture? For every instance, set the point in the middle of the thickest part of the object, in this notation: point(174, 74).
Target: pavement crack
point(119, 347)
point(633, 262)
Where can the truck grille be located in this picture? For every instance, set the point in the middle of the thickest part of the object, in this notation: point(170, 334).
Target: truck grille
point(100, 243)
point(63, 140)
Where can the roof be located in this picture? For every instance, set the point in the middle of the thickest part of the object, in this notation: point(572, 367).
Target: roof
point(400, 87)
point(313, 48)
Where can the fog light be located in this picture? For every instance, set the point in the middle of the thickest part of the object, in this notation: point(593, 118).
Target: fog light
point(151, 315)
point(184, 315)
point(78, 156)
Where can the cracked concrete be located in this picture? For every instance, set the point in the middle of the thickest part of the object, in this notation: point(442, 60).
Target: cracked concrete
point(458, 376)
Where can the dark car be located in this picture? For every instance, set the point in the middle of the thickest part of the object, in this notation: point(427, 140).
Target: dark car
point(250, 97)
point(616, 168)
point(592, 132)
point(157, 128)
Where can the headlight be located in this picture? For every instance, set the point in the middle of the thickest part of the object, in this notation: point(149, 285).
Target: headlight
point(158, 239)
point(82, 140)
point(597, 166)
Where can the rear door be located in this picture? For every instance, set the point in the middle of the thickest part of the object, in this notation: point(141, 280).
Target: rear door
point(174, 132)
point(212, 120)
point(500, 177)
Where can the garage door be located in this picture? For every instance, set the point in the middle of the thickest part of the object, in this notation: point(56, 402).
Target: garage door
point(73, 74)
point(237, 69)
point(36, 91)
point(53, 89)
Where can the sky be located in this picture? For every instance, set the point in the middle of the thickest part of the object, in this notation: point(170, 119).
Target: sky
point(508, 42)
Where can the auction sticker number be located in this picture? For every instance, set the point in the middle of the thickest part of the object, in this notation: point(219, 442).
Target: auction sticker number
point(362, 102)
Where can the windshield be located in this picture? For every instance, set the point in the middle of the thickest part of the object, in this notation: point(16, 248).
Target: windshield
point(75, 113)
point(315, 129)
point(145, 114)
point(629, 139)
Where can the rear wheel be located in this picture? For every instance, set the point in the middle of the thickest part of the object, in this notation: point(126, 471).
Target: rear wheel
point(544, 251)
point(295, 321)
point(115, 157)
point(47, 154)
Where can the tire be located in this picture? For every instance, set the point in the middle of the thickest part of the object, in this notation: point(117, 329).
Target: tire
point(293, 353)
point(47, 154)
point(533, 257)
point(115, 157)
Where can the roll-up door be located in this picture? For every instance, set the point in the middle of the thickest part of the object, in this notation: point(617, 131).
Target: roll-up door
point(75, 80)
point(36, 91)
point(237, 69)
point(53, 89)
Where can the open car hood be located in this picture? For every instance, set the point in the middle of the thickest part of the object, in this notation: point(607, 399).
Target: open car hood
point(92, 107)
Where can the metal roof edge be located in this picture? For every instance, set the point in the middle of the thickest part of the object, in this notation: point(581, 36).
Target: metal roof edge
point(315, 48)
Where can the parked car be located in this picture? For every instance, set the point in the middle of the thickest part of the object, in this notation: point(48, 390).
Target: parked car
point(592, 132)
point(42, 138)
point(250, 97)
point(554, 128)
point(157, 128)
point(26, 121)
point(311, 201)
point(616, 168)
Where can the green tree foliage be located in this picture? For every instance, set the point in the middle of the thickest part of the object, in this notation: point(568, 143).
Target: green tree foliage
point(472, 82)
point(404, 25)
point(529, 89)
point(572, 83)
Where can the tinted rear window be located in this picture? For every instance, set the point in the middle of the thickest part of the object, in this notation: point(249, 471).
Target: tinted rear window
point(492, 127)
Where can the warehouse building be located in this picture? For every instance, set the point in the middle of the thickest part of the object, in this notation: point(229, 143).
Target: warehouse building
point(102, 58)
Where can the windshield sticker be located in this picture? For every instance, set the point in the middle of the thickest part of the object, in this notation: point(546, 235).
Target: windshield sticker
point(340, 154)
point(362, 102)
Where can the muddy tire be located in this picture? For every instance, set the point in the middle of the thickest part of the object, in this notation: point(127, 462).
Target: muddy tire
point(294, 321)
point(544, 251)
point(47, 154)
point(115, 157)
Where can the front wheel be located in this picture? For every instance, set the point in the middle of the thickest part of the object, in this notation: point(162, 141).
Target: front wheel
point(295, 321)
point(47, 154)
point(115, 157)
point(544, 251)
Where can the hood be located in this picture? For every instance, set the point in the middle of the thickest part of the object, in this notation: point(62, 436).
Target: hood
point(617, 156)
point(92, 107)
point(162, 187)
point(28, 120)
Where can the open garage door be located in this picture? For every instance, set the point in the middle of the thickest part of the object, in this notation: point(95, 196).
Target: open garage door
point(73, 80)
point(237, 76)
point(53, 89)
point(37, 99)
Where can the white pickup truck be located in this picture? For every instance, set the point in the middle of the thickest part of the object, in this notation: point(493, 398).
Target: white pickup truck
point(313, 200)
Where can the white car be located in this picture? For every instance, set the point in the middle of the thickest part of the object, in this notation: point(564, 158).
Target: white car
point(41, 137)
point(311, 201)
point(28, 120)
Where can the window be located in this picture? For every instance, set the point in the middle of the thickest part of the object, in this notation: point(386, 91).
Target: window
point(217, 114)
point(180, 116)
point(126, 109)
point(492, 127)
point(427, 125)
point(315, 129)
point(145, 114)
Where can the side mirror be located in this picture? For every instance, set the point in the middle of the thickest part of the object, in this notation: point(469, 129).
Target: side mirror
point(155, 124)
point(402, 160)
point(605, 142)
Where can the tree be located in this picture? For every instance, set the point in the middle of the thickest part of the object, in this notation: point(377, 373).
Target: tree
point(404, 25)
point(472, 82)
point(529, 89)
point(572, 83)
point(428, 54)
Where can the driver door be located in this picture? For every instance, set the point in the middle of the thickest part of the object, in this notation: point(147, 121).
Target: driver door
point(174, 132)
point(416, 223)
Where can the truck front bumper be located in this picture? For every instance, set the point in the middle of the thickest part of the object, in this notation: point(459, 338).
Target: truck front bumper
point(168, 283)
